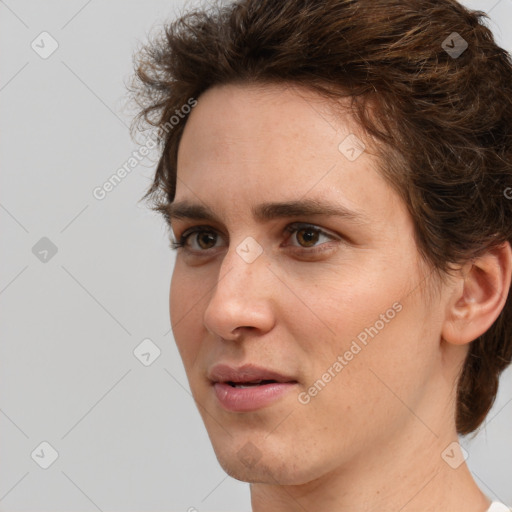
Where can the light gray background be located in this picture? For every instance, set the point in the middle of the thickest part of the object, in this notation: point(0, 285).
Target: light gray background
point(128, 436)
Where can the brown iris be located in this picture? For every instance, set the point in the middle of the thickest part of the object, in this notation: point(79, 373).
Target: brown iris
point(207, 238)
point(311, 237)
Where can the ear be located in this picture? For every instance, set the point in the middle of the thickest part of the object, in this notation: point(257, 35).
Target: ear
point(479, 296)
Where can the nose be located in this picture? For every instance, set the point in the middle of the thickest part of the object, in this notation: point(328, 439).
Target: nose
point(242, 298)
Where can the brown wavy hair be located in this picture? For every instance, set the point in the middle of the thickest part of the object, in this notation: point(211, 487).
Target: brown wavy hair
point(443, 122)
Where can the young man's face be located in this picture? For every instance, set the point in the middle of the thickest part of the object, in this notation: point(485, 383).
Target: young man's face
point(332, 314)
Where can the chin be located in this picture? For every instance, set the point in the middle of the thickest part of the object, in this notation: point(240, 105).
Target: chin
point(242, 460)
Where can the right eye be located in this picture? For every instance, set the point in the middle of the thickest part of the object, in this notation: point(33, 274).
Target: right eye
point(203, 238)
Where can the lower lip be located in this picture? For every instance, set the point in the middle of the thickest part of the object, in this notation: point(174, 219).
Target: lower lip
point(251, 398)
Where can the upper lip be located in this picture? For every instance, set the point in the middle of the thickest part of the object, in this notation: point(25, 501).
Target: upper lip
point(245, 373)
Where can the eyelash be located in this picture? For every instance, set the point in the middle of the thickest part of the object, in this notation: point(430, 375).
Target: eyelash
point(292, 228)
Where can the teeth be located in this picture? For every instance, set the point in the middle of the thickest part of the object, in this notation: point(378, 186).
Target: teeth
point(247, 384)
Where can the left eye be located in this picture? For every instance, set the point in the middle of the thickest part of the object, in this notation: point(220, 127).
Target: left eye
point(309, 235)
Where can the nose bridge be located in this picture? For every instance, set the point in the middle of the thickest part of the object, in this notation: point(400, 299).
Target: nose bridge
point(243, 267)
point(239, 297)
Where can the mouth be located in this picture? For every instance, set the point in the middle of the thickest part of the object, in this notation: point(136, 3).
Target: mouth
point(247, 375)
point(243, 385)
point(248, 388)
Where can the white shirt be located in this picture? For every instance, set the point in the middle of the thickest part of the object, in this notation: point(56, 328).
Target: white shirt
point(496, 506)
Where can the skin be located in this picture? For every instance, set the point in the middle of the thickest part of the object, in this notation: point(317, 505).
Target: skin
point(372, 439)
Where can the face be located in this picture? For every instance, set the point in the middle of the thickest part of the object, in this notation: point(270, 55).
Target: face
point(297, 328)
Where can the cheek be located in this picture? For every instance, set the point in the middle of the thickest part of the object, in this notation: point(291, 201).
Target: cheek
point(374, 321)
point(177, 297)
point(380, 356)
point(184, 308)
point(352, 307)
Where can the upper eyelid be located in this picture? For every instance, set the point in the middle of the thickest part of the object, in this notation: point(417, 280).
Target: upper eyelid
point(292, 227)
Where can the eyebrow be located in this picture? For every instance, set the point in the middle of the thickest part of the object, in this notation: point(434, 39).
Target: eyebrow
point(267, 211)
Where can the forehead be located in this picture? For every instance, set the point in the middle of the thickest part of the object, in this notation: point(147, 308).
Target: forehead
point(248, 144)
point(276, 117)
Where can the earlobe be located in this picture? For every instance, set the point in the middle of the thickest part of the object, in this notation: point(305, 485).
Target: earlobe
point(479, 296)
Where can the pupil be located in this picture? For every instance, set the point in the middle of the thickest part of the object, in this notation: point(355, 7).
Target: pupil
point(206, 237)
point(310, 239)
